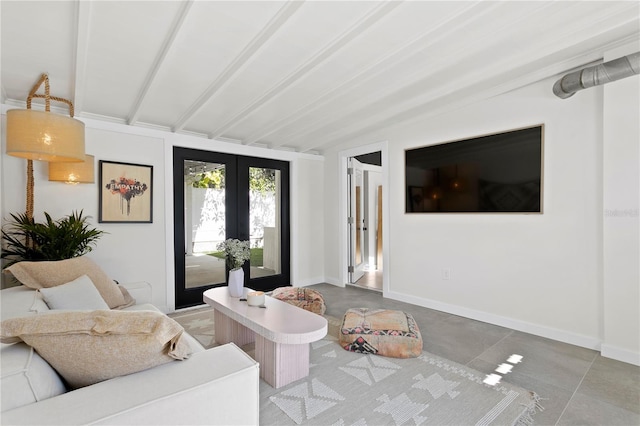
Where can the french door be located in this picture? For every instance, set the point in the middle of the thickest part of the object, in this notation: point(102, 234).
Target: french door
point(219, 196)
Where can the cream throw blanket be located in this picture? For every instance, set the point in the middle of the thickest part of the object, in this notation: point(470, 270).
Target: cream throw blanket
point(86, 347)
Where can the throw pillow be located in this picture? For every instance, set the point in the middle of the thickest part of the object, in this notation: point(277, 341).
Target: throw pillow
point(39, 305)
point(77, 294)
point(89, 347)
point(26, 377)
point(48, 274)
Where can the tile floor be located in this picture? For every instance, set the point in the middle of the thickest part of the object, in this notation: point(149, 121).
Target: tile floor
point(579, 386)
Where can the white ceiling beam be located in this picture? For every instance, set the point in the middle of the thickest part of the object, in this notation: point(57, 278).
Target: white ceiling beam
point(412, 47)
point(407, 82)
point(407, 86)
point(418, 91)
point(373, 16)
point(80, 54)
point(461, 97)
point(134, 114)
point(453, 96)
point(239, 62)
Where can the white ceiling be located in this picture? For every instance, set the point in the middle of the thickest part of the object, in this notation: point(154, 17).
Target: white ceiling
point(302, 76)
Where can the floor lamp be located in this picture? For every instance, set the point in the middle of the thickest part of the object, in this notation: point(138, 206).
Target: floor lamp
point(43, 136)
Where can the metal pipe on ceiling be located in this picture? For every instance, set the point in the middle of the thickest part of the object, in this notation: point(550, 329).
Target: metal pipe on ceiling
point(597, 75)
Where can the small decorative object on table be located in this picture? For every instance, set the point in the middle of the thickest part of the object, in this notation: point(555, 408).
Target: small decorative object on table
point(236, 253)
point(255, 298)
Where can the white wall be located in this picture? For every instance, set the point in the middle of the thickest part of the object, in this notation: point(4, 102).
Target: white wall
point(621, 230)
point(144, 252)
point(308, 223)
point(539, 273)
point(333, 225)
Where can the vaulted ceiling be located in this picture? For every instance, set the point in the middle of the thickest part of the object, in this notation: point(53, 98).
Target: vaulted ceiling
point(295, 75)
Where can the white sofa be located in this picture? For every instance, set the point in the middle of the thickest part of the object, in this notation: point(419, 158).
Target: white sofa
point(214, 386)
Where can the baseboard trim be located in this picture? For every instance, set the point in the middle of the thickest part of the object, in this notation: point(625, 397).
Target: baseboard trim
point(333, 281)
point(307, 282)
point(526, 327)
point(620, 354)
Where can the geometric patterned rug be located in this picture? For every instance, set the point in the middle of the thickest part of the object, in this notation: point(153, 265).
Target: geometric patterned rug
point(199, 324)
point(347, 388)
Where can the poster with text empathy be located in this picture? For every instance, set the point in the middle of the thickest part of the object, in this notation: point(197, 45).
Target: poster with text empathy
point(125, 193)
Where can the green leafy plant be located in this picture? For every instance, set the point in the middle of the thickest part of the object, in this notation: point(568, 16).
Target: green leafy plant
point(260, 179)
point(26, 239)
point(210, 179)
point(255, 260)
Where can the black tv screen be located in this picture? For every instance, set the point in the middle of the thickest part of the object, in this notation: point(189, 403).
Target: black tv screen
point(495, 173)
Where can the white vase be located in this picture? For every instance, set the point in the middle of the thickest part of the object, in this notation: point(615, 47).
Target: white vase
point(236, 282)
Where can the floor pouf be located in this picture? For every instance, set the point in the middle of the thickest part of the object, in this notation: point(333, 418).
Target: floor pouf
point(305, 298)
point(381, 332)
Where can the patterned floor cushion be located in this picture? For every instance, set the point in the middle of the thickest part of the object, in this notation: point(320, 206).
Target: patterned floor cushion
point(305, 298)
point(381, 332)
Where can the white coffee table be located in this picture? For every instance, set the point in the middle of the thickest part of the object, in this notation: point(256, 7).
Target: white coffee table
point(282, 333)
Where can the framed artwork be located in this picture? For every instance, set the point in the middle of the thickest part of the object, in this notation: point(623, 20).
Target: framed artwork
point(126, 193)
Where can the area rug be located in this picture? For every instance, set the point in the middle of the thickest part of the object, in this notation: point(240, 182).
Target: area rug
point(346, 388)
point(198, 323)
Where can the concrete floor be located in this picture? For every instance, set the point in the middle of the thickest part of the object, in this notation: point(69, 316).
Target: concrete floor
point(578, 386)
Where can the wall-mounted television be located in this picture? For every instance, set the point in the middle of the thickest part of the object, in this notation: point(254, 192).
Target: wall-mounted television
point(495, 173)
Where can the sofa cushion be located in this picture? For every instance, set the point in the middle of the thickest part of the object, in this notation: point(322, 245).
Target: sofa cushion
point(47, 274)
point(86, 347)
point(26, 377)
point(77, 294)
point(20, 301)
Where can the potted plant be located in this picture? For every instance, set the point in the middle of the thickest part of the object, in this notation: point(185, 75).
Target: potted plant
point(25, 239)
point(236, 253)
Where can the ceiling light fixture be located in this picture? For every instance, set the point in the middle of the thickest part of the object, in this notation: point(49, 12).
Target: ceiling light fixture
point(43, 136)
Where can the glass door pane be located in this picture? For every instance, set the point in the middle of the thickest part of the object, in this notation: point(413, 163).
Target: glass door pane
point(359, 219)
point(204, 213)
point(264, 222)
point(263, 219)
point(205, 224)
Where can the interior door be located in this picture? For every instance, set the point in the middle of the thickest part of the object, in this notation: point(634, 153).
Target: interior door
point(356, 220)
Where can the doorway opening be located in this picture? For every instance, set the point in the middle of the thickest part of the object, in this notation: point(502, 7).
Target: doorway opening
point(365, 220)
point(219, 196)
